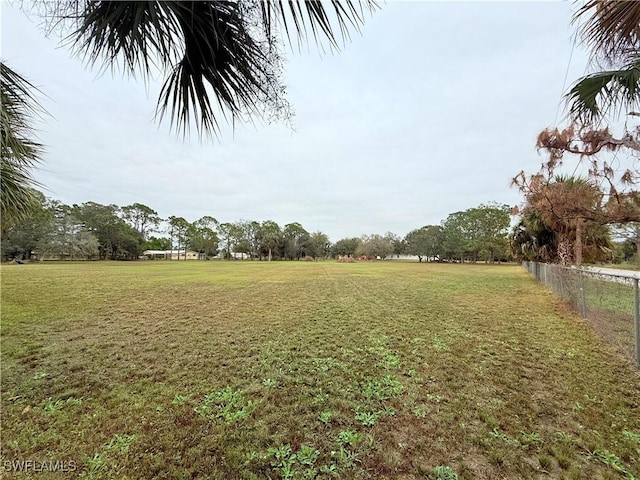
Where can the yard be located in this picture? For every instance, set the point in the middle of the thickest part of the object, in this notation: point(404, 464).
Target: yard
point(228, 370)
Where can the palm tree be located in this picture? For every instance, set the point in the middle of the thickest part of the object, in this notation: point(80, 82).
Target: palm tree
point(219, 59)
point(612, 30)
point(18, 151)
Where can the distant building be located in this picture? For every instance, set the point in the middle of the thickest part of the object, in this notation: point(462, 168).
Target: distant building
point(174, 255)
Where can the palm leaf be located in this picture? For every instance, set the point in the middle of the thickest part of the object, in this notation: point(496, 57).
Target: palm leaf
point(611, 28)
point(18, 152)
point(602, 91)
point(219, 57)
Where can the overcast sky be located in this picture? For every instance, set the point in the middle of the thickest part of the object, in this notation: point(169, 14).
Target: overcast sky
point(431, 110)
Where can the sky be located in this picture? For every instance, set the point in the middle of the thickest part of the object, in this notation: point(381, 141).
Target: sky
point(430, 110)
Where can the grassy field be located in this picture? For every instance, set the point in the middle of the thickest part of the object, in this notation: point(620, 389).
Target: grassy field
point(301, 370)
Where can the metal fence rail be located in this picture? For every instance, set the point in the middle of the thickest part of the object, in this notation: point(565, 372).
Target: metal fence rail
point(608, 300)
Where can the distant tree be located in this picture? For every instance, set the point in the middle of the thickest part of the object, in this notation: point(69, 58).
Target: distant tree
point(179, 228)
point(375, 245)
point(424, 242)
point(454, 238)
point(270, 236)
point(157, 243)
point(397, 244)
point(117, 240)
point(143, 219)
point(630, 232)
point(345, 247)
point(226, 236)
point(295, 239)
point(201, 237)
point(479, 232)
point(318, 245)
point(21, 235)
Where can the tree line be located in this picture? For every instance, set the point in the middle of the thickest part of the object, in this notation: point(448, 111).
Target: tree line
point(91, 230)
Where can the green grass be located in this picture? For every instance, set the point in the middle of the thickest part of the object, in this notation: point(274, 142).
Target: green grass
point(302, 370)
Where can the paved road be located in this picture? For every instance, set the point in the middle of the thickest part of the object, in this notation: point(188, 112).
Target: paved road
point(614, 271)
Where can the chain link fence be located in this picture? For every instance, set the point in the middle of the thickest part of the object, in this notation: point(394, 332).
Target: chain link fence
point(608, 299)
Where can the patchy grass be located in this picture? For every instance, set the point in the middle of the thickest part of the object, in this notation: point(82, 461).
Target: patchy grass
point(308, 370)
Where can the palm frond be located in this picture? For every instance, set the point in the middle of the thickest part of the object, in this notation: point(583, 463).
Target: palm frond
point(611, 28)
point(601, 92)
point(18, 152)
point(220, 57)
point(311, 20)
point(138, 34)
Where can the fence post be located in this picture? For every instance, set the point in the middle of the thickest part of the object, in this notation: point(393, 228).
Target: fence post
point(583, 297)
point(636, 317)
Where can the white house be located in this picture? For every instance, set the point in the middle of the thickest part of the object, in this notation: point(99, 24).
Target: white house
point(174, 254)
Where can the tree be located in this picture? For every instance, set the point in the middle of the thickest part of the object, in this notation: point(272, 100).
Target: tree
point(226, 235)
point(424, 242)
point(295, 241)
point(345, 247)
point(374, 246)
point(270, 236)
point(19, 152)
point(116, 239)
point(479, 232)
point(178, 228)
point(157, 243)
point(21, 237)
point(454, 239)
point(142, 218)
point(212, 54)
point(570, 207)
point(630, 232)
point(318, 245)
point(531, 239)
point(397, 244)
point(611, 29)
point(201, 237)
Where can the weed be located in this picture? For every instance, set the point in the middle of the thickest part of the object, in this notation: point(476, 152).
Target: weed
point(227, 404)
point(383, 389)
point(419, 412)
point(325, 417)
point(120, 443)
point(180, 399)
point(95, 466)
point(633, 438)
point(349, 437)
point(439, 344)
point(443, 472)
point(269, 382)
point(368, 419)
point(504, 437)
point(307, 455)
point(292, 465)
point(52, 407)
point(40, 375)
point(529, 439)
point(565, 437)
point(545, 461)
point(613, 461)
